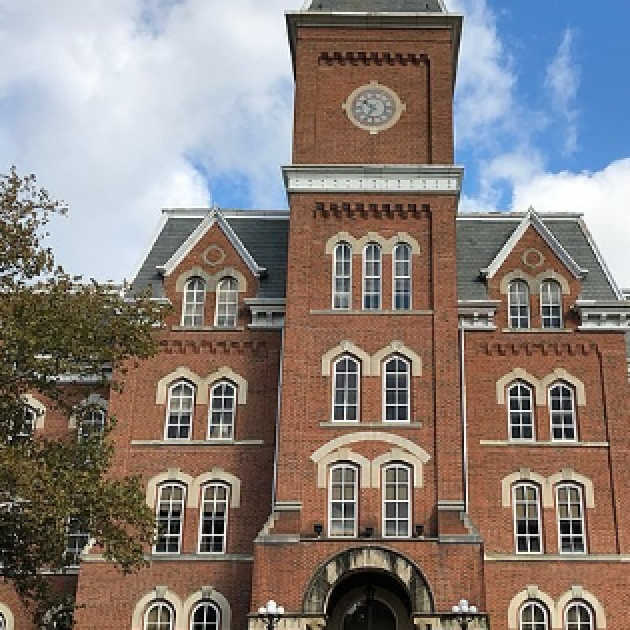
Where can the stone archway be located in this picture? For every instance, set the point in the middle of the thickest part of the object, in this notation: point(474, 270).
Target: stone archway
point(367, 559)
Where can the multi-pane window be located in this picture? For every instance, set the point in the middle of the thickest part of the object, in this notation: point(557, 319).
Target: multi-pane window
point(342, 276)
point(396, 501)
point(562, 412)
point(551, 304)
point(571, 534)
point(346, 379)
point(342, 500)
point(26, 428)
point(227, 303)
point(3, 622)
point(527, 529)
point(396, 390)
point(578, 616)
point(520, 411)
point(92, 422)
point(402, 277)
point(181, 401)
point(205, 617)
point(372, 277)
point(170, 517)
point(222, 410)
point(533, 617)
point(518, 304)
point(159, 616)
point(193, 303)
point(214, 515)
point(76, 539)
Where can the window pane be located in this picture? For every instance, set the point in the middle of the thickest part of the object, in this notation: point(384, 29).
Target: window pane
point(562, 412)
point(346, 390)
point(551, 304)
point(227, 303)
point(343, 501)
point(520, 414)
point(342, 277)
point(526, 519)
point(221, 417)
point(169, 516)
point(570, 519)
point(372, 277)
point(396, 386)
point(205, 617)
point(214, 514)
point(179, 416)
point(193, 302)
point(402, 277)
point(396, 501)
point(518, 304)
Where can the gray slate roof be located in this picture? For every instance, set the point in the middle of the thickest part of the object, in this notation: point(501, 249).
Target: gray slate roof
point(377, 6)
point(479, 239)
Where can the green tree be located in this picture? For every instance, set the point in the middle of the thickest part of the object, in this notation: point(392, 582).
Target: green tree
point(56, 330)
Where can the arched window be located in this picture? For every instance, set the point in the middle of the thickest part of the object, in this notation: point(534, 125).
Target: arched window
point(227, 303)
point(205, 616)
point(179, 415)
point(578, 616)
point(170, 517)
point(222, 411)
point(396, 501)
point(527, 526)
point(3, 622)
point(342, 276)
point(342, 500)
point(520, 411)
point(402, 278)
point(396, 390)
point(562, 413)
point(533, 616)
point(159, 616)
point(372, 277)
point(346, 379)
point(518, 304)
point(193, 302)
point(551, 304)
point(570, 514)
point(214, 518)
point(92, 422)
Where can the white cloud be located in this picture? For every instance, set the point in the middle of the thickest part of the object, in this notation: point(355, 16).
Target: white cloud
point(563, 80)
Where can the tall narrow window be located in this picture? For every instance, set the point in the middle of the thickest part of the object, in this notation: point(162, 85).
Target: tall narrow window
point(551, 304)
point(527, 529)
point(571, 533)
point(342, 501)
point(520, 412)
point(76, 539)
point(562, 412)
point(159, 616)
point(346, 377)
point(214, 517)
point(396, 390)
point(181, 400)
point(29, 422)
point(222, 409)
point(342, 276)
point(227, 303)
point(533, 617)
point(402, 277)
point(193, 303)
point(518, 304)
point(372, 277)
point(396, 501)
point(170, 518)
point(578, 616)
point(205, 617)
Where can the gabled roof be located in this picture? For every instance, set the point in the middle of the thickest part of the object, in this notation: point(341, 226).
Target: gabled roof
point(376, 6)
point(531, 219)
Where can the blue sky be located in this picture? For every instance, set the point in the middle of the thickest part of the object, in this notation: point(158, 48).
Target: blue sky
point(123, 107)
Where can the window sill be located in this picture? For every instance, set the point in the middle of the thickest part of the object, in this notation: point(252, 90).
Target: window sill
point(536, 330)
point(197, 443)
point(381, 311)
point(532, 443)
point(200, 557)
point(555, 557)
point(207, 328)
point(414, 424)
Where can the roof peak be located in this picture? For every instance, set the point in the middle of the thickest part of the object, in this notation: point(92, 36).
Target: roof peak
point(376, 6)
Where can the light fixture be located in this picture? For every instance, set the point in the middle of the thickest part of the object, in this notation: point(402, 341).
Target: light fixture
point(464, 613)
point(418, 530)
point(271, 613)
point(318, 528)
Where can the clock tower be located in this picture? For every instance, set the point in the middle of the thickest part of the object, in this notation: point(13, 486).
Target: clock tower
point(369, 512)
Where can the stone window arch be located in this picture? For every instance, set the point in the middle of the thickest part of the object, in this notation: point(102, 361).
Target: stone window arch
point(346, 347)
point(7, 617)
point(181, 373)
point(220, 475)
point(577, 594)
point(38, 408)
point(396, 347)
point(158, 594)
point(173, 475)
point(530, 593)
point(208, 594)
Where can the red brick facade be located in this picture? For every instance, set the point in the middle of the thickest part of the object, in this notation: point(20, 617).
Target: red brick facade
point(465, 467)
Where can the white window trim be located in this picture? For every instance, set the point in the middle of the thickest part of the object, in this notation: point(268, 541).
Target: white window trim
point(570, 387)
point(160, 602)
point(227, 518)
point(208, 594)
point(356, 499)
point(210, 409)
point(533, 407)
point(580, 490)
point(168, 410)
point(551, 281)
point(538, 604)
point(409, 499)
point(406, 361)
point(219, 293)
point(157, 507)
point(576, 603)
point(358, 362)
point(380, 276)
point(539, 510)
point(8, 616)
point(334, 275)
point(204, 292)
point(394, 276)
point(528, 303)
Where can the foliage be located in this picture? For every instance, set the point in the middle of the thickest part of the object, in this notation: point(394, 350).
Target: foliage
point(56, 334)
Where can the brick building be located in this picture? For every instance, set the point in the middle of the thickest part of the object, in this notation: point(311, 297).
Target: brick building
point(371, 406)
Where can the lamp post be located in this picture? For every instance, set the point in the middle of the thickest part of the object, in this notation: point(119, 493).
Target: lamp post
point(464, 613)
point(271, 614)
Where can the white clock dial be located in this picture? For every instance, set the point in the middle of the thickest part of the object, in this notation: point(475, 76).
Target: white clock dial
point(373, 107)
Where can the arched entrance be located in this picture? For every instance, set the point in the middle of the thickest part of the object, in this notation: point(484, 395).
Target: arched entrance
point(368, 588)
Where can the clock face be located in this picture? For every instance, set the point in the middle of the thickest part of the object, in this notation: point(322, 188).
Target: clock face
point(373, 107)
